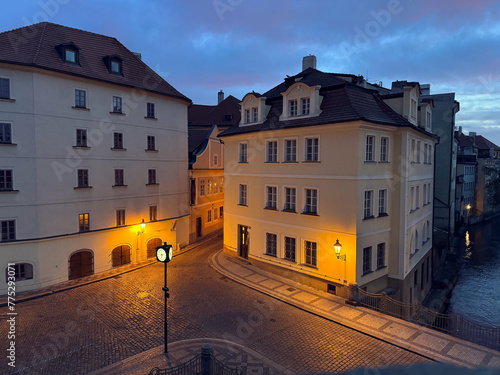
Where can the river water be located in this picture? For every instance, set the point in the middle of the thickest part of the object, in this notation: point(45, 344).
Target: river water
point(477, 293)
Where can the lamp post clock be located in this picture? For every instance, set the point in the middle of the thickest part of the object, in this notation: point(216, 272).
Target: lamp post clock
point(164, 255)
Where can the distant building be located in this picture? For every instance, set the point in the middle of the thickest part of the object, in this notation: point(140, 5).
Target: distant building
point(206, 163)
point(466, 177)
point(92, 144)
point(319, 161)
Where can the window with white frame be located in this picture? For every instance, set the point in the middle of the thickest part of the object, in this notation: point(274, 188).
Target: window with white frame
point(202, 187)
point(310, 253)
point(384, 149)
point(8, 228)
point(80, 98)
point(120, 217)
point(413, 109)
point(290, 150)
point(255, 114)
point(424, 200)
point(290, 245)
point(367, 259)
point(290, 199)
point(119, 177)
point(117, 104)
point(425, 153)
point(209, 216)
point(271, 193)
point(216, 186)
point(311, 201)
point(247, 116)
point(243, 153)
point(382, 202)
point(370, 144)
point(368, 204)
point(6, 180)
point(216, 212)
point(271, 244)
point(5, 133)
point(209, 187)
point(84, 222)
point(118, 140)
point(243, 195)
point(381, 255)
point(413, 151)
point(418, 151)
point(292, 108)
point(305, 104)
point(82, 178)
point(312, 149)
point(81, 137)
point(272, 152)
point(150, 110)
point(151, 143)
point(22, 271)
point(4, 88)
point(417, 197)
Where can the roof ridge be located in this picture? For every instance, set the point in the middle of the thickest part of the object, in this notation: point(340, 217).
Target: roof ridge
point(42, 35)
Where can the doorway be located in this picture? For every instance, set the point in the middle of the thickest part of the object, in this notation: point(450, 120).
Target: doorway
point(198, 227)
point(81, 264)
point(243, 241)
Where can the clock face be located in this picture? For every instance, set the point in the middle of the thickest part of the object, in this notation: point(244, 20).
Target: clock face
point(170, 253)
point(161, 255)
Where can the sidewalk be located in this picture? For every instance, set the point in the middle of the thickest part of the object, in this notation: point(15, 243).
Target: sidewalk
point(424, 341)
point(71, 284)
point(229, 353)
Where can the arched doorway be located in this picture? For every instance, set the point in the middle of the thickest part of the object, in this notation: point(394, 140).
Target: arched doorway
point(152, 244)
point(81, 264)
point(121, 255)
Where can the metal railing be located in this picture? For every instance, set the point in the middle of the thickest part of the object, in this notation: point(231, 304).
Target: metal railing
point(203, 364)
point(452, 324)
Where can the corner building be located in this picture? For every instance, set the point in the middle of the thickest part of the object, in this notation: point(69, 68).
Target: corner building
point(93, 144)
point(319, 161)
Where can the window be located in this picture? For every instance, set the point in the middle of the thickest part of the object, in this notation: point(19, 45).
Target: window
point(5, 133)
point(202, 187)
point(381, 255)
point(22, 271)
point(153, 210)
point(221, 211)
point(209, 187)
point(81, 137)
point(384, 149)
point(382, 202)
point(430, 154)
point(6, 179)
point(412, 198)
point(247, 116)
point(150, 110)
point(413, 109)
point(417, 197)
point(8, 228)
point(118, 140)
point(272, 152)
point(80, 98)
point(116, 66)
point(368, 204)
point(215, 213)
point(152, 177)
point(311, 206)
point(271, 244)
point(370, 144)
point(4, 88)
point(70, 54)
point(83, 222)
point(367, 259)
point(271, 197)
point(119, 180)
point(425, 153)
point(310, 253)
point(243, 153)
point(117, 104)
point(216, 160)
point(424, 200)
point(290, 199)
point(151, 143)
point(290, 150)
point(429, 193)
point(292, 105)
point(418, 151)
point(209, 216)
point(305, 106)
point(221, 185)
point(255, 115)
point(312, 149)
point(413, 155)
point(216, 187)
point(83, 178)
point(290, 248)
point(120, 217)
point(243, 195)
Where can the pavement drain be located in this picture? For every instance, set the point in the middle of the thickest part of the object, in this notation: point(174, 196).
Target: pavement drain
point(291, 289)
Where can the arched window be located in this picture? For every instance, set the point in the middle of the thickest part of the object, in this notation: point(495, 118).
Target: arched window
point(81, 264)
point(121, 255)
point(19, 271)
point(152, 244)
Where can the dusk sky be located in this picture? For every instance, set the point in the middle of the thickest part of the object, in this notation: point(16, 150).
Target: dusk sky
point(203, 46)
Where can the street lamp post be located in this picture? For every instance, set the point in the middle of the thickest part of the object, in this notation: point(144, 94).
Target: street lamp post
point(338, 247)
point(143, 227)
point(164, 255)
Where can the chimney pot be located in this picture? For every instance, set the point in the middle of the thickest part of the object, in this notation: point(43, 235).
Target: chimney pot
point(308, 62)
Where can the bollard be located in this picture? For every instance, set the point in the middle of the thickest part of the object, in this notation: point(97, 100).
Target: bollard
point(353, 294)
point(207, 350)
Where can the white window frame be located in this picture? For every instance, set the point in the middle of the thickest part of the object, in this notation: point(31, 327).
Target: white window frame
point(304, 253)
point(202, 187)
point(306, 204)
point(370, 153)
point(285, 198)
point(305, 106)
point(315, 149)
point(243, 195)
point(271, 191)
point(384, 153)
point(382, 206)
point(243, 152)
point(266, 243)
point(269, 158)
point(293, 107)
point(86, 106)
point(368, 209)
point(285, 236)
point(294, 154)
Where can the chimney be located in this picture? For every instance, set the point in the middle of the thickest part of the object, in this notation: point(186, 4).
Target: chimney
point(308, 62)
point(425, 89)
point(138, 55)
point(472, 135)
point(220, 96)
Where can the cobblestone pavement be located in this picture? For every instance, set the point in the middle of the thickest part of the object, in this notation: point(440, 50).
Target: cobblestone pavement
point(95, 325)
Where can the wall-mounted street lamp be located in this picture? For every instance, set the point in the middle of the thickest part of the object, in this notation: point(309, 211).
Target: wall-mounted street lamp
point(164, 255)
point(143, 226)
point(338, 247)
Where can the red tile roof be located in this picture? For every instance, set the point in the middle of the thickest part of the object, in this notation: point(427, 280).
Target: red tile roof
point(35, 46)
point(225, 114)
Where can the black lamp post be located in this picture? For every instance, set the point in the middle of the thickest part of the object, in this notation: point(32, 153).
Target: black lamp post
point(164, 255)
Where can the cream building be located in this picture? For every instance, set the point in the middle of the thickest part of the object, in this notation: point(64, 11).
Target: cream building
point(318, 161)
point(93, 143)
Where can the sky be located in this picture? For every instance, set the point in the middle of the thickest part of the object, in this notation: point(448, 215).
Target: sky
point(239, 46)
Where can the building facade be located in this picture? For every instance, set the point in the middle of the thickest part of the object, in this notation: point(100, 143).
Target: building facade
point(93, 166)
point(318, 161)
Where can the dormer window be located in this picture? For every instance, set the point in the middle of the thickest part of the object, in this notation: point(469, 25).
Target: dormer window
point(254, 109)
point(301, 100)
point(293, 107)
point(306, 105)
point(114, 63)
point(69, 53)
point(255, 114)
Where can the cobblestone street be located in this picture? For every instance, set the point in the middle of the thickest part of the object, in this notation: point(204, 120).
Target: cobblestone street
point(93, 326)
